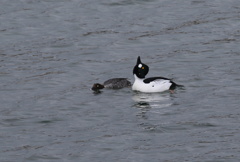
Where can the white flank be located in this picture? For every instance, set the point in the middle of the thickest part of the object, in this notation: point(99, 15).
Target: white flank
point(159, 85)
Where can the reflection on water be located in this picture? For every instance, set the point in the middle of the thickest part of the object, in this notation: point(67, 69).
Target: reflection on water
point(153, 102)
point(150, 97)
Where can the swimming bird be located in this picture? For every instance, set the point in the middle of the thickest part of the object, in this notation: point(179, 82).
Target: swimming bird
point(150, 85)
point(114, 83)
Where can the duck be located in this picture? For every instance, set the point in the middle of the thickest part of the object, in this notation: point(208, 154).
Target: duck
point(114, 83)
point(152, 84)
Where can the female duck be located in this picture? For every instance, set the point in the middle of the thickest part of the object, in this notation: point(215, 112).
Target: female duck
point(150, 85)
point(114, 83)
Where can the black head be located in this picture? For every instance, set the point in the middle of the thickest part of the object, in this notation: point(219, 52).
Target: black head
point(97, 86)
point(140, 69)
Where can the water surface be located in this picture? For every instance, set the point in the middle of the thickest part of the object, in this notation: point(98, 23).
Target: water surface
point(51, 52)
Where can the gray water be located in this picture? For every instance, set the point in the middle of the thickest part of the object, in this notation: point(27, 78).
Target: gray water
point(52, 51)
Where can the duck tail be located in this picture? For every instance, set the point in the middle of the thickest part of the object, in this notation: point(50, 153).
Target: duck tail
point(179, 85)
point(175, 85)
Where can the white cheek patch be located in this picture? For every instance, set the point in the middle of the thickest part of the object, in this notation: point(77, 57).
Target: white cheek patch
point(140, 66)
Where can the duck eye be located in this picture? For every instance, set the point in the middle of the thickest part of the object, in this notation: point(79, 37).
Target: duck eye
point(143, 67)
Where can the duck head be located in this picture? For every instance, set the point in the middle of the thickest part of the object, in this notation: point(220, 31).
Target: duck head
point(97, 87)
point(140, 69)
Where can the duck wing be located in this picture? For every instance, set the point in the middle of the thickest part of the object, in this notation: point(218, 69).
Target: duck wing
point(148, 80)
point(155, 79)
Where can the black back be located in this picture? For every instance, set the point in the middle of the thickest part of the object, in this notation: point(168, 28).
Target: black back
point(148, 80)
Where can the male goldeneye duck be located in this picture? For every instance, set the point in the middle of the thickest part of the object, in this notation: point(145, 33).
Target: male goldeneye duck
point(114, 83)
point(149, 85)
